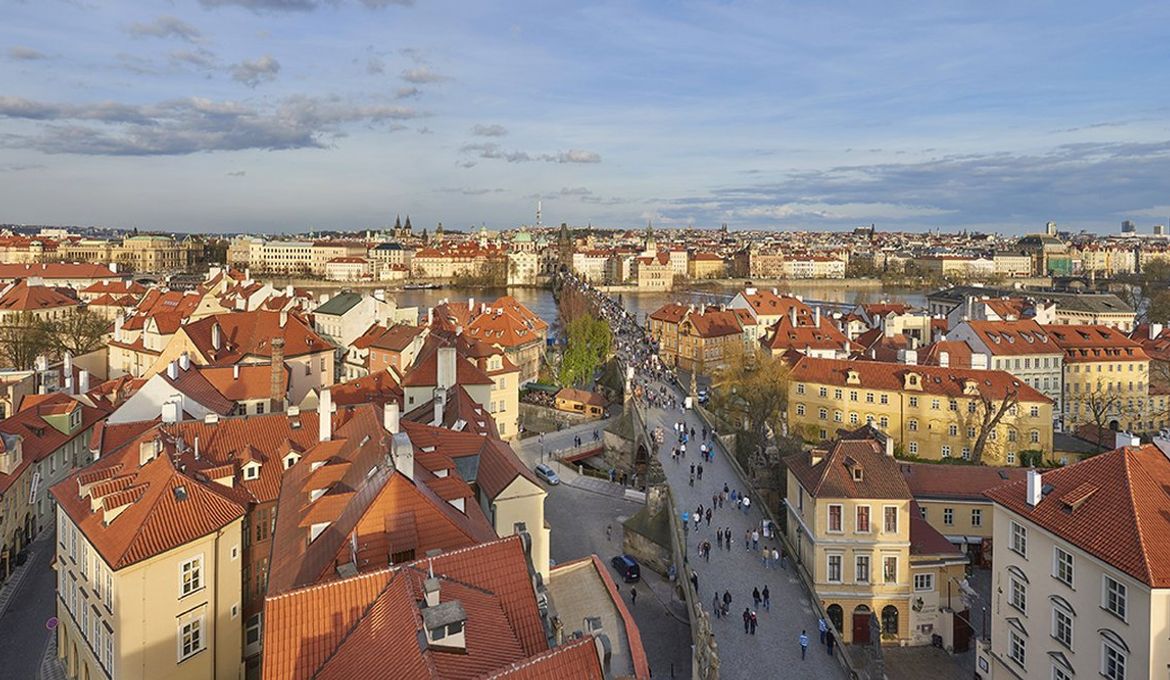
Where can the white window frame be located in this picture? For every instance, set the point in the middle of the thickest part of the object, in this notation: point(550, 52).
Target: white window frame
point(1121, 656)
point(1123, 590)
point(196, 562)
point(198, 628)
point(885, 519)
point(857, 517)
point(1018, 595)
point(857, 560)
point(1057, 554)
point(949, 516)
point(1019, 539)
point(976, 517)
point(923, 583)
point(1014, 640)
point(1057, 614)
point(840, 518)
point(885, 580)
point(840, 568)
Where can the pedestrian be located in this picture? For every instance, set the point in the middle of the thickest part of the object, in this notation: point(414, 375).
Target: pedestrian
point(764, 557)
point(692, 479)
point(722, 497)
point(708, 517)
point(707, 550)
point(700, 470)
point(775, 557)
point(726, 601)
point(784, 560)
point(719, 538)
point(724, 488)
point(747, 620)
point(767, 598)
point(756, 596)
point(753, 622)
point(738, 501)
point(727, 536)
point(716, 605)
point(633, 595)
point(821, 626)
point(692, 469)
point(747, 504)
point(830, 640)
point(803, 644)
point(747, 539)
point(755, 539)
point(714, 500)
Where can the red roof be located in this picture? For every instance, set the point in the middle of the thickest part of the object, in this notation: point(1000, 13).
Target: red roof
point(833, 474)
point(1113, 506)
point(38, 438)
point(1015, 338)
point(58, 270)
point(783, 335)
point(956, 482)
point(21, 297)
point(250, 334)
point(1086, 344)
point(937, 380)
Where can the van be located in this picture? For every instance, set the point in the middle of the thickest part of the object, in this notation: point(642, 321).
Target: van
point(627, 568)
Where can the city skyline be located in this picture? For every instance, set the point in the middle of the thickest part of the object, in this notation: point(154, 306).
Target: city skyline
point(251, 116)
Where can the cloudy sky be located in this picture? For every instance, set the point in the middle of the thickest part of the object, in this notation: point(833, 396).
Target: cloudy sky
point(285, 115)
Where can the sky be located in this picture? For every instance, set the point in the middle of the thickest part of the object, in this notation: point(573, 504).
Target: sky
point(268, 116)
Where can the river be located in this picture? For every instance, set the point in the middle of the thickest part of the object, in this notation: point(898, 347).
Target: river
point(540, 300)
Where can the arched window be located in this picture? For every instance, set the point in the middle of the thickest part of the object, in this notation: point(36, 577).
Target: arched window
point(837, 616)
point(890, 621)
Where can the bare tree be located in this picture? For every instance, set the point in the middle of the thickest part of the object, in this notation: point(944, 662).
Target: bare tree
point(23, 337)
point(1100, 407)
point(79, 332)
point(988, 415)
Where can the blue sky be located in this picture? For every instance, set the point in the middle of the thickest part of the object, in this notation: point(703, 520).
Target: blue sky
point(284, 115)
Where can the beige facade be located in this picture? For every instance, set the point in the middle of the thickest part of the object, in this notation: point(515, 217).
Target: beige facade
point(175, 615)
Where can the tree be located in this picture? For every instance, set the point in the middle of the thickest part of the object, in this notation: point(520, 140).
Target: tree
point(79, 332)
point(589, 342)
point(1146, 291)
point(1100, 407)
point(23, 338)
point(987, 417)
point(752, 388)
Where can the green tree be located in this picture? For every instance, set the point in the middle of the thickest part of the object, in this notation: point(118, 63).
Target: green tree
point(750, 391)
point(589, 342)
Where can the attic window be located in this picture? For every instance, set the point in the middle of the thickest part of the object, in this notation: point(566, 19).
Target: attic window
point(251, 471)
point(180, 493)
point(857, 473)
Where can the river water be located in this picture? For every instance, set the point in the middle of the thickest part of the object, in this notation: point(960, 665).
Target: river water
point(540, 300)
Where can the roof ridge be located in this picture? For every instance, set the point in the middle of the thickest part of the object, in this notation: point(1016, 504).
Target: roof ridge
point(1130, 470)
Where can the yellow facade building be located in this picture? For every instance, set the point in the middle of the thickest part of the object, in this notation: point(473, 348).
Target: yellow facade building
point(931, 412)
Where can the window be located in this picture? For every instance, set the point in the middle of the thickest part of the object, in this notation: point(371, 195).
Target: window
point(869, 397)
point(1035, 411)
point(837, 394)
point(1019, 595)
point(835, 518)
point(934, 404)
point(948, 516)
point(923, 583)
point(861, 569)
point(823, 392)
point(800, 388)
point(913, 448)
point(884, 422)
point(834, 575)
point(890, 525)
point(1114, 600)
point(976, 518)
point(823, 413)
point(1034, 436)
point(1112, 662)
point(885, 398)
point(913, 402)
point(852, 395)
point(890, 569)
point(190, 638)
point(953, 405)
point(1019, 543)
point(1062, 566)
point(837, 416)
point(1062, 626)
point(190, 576)
point(259, 408)
point(1016, 647)
point(946, 451)
point(252, 630)
point(799, 409)
point(913, 425)
point(953, 430)
point(863, 519)
point(853, 418)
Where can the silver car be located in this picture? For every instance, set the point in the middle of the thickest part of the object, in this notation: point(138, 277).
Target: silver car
point(547, 474)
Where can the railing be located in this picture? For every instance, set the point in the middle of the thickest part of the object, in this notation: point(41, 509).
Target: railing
point(704, 647)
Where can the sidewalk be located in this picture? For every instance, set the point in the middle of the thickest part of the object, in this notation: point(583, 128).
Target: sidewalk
point(12, 585)
point(739, 570)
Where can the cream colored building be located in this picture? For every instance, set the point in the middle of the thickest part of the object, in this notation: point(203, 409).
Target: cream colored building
point(851, 519)
point(1080, 587)
point(148, 572)
point(1106, 377)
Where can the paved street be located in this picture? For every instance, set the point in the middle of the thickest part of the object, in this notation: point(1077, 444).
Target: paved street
point(23, 635)
point(775, 645)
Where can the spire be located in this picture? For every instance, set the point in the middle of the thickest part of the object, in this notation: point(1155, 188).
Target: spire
point(408, 227)
point(397, 222)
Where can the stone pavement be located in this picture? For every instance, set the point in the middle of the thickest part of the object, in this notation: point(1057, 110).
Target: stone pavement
point(774, 651)
point(529, 452)
point(16, 578)
point(51, 667)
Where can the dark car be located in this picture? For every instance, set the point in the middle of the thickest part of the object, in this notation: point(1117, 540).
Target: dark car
point(627, 567)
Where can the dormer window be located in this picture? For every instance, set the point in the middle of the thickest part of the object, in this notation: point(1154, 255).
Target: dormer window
point(857, 473)
point(291, 459)
point(252, 471)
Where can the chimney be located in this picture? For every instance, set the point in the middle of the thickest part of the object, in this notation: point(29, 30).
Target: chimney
point(816, 456)
point(817, 317)
point(440, 402)
point(445, 371)
point(1035, 492)
point(68, 370)
point(216, 335)
point(431, 591)
point(1122, 438)
point(235, 371)
point(390, 417)
point(403, 452)
point(470, 304)
point(792, 314)
point(908, 357)
point(147, 451)
point(83, 381)
point(211, 418)
point(172, 409)
point(113, 267)
point(173, 370)
point(889, 446)
point(288, 290)
point(325, 415)
point(185, 361)
point(276, 388)
point(196, 447)
point(118, 321)
point(430, 315)
point(944, 359)
point(1155, 330)
point(458, 331)
point(283, 318)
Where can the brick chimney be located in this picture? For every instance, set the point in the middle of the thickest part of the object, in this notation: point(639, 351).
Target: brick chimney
point(276, 394)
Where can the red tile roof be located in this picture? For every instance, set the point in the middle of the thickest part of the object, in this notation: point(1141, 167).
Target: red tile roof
point(833, 475)
point(956, 482)
point(60, 270)
point(39, 439)
point(783, 335)
point(250, 334)
point(21, 297)
point(1125, 521)
point(1015, 338)
point(947, 382)
point(1086, 344)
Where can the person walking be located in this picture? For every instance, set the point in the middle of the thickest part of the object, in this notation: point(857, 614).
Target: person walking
point(747, 504)
point(756, 596)
point(775, 557)
point(764, 557)
point(708, 517)
point(609, 532)
point(747, 620)
point(767, 598)
point(719, 538)
point(830, 640)
point(753, 621)
point(700, 468)
point(747, 539)
point(755, 539)
point(824, 628)
point(803, 644)
point(726, 602)
point(717, 606)
point(633, 596)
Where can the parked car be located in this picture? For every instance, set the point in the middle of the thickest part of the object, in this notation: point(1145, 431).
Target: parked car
point(704, 395)
point(547, 474)
point(627, 568)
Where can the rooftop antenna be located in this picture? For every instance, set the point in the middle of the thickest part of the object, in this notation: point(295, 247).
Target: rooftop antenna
point(538, 213)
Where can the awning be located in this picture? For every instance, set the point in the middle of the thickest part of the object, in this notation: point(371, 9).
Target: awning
point(965, 540)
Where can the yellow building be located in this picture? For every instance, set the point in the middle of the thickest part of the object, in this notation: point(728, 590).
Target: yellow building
point(930, 411)
point(1106, 377)
point(148, 571)
point(706, 266)
point(653, 272)
point(852, 521)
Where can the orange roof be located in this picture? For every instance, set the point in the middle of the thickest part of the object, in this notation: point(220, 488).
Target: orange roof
point(711, 322)
point(373, 621)
point(425, 371)
point(250, 334)
point(58, 270)
point(507, 323)
point(1014, 338)
point(767, 303)
point(956, 482)
point(671, 312)
point(1113, 506)
point(783, 335)
point(948, 382)
point(21, 297)
point(581, 396)
point(833, 475)
point(958, 353)
point(1086, 343)
point(378, 387)
point(39, 439)
point(254, 381)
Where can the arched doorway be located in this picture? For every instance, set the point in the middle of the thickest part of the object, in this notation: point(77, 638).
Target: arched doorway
point(837, 616)
point(889, 622)
point(861, 616)
point(1114, 425)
